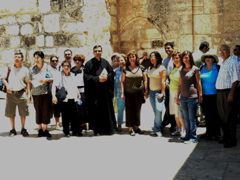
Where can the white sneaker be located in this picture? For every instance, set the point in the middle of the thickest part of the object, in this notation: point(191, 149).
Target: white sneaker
point(58, 127)
point(159, 134)
point(183, 133)
point(176, 133)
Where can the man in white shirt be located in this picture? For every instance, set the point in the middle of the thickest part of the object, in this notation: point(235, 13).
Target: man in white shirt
point(17, 91)
point(226, 84)
point(203, 48)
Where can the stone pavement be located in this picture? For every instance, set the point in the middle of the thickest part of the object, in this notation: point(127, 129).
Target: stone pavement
point(112, 157)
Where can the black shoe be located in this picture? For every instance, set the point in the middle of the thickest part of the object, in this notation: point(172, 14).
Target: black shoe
point(12, 133)
point(79, 134)
point(184, 138)
point(230, 144)
point(40, 133)
point(139, 131)
point(47, 134)
point(132, 133)
point(24, 132)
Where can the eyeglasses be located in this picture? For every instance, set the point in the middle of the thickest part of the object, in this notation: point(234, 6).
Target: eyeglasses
point(223, 51)
point(97, 51)
point(65, 66)
point(54, 61)
point(79, 60)
point(67, 54)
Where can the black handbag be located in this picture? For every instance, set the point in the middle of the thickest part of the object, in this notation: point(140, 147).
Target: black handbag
point(61, 94)
point(3, 88)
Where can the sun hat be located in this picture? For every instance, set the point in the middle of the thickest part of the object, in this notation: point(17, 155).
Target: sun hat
point(212, 55)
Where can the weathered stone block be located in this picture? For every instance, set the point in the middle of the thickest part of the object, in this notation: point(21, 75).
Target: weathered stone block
point(2, 29)
point(49, 52)
point(24, 18)
point(152, 33)
point(70, 3)
point(40, 27)
point(12, 29)
point(60, 39)
point(77, 14)
point(5, 42)
point(113, 10)
point(15, 42)
point(77, 40)
point(112, 1)
point(51, 23)
point(202, 24)
point(3, 21)
point(44, 6)
point(11, 20)
point(73, 26)
point(6, 56)
point(29, 41)
point(35, 18)
point(26, 29)
point(49, 41)
point(40, 41)
point(65, 16)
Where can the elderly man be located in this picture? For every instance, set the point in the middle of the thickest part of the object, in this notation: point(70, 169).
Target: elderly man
point(17, 91)
point(226, 84)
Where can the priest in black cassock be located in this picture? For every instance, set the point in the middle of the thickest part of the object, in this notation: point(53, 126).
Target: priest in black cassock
point(99, 86)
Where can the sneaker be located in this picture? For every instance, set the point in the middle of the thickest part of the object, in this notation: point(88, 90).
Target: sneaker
point(67, 135)
point(159, 134)
point(132, 133)
point(58, 127)
point(24, 132)
point(12, 133)
point(176, 133)
point(183, 133)
point(40, 133)
point(184, 138)
point(47, 134)
point(191, 141)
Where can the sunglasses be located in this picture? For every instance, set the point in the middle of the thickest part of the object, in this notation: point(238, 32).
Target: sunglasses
point(79, 60)
point(54, 60)
point(65, 66)
point(153, 57)
point(208, 57)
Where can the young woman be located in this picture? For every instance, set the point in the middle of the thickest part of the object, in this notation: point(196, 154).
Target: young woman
point(134, 82)
point(190, 93)
point(68, 106)
point(174, 108)
point(157, 77)
point(117, 91)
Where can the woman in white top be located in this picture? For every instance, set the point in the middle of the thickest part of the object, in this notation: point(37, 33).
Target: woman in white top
point(68, 106)
point(157, 77)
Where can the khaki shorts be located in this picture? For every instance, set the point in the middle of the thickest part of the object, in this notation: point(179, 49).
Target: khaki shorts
point(12, 101)
point(173, 107)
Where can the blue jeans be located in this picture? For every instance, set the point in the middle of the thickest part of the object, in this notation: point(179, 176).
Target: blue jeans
point(157, 105)
point(189, 109)
point(120, 107)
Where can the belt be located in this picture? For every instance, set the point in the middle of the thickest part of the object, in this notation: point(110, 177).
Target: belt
point(16, 92)
point(223, 89)
point(80, 87)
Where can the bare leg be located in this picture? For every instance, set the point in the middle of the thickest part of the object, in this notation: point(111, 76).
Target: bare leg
point(23, 120)
point(12, 121)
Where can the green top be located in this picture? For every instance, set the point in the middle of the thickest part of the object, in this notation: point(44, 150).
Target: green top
point(174, 79)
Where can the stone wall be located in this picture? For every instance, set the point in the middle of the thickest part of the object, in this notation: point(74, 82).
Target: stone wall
point(145, 25)
point(56, 25)
point(118, 25)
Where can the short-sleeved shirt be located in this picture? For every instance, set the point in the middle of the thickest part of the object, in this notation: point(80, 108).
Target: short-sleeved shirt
point(189, 83)
point(35, 74)
point(227, 74)
point(208, 79)
point(18, 77)
point(70, 84)
point(154, 77)
point(117, 82)
point(168, 64)
point(174, 79)
point(79, 77)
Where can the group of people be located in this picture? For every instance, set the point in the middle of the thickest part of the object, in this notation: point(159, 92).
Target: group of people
point(97, 89)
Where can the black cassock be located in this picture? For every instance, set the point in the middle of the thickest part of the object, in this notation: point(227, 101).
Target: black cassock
point(99, 97)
